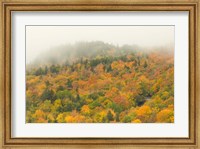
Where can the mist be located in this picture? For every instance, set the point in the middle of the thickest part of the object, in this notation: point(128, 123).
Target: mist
point(41, 40)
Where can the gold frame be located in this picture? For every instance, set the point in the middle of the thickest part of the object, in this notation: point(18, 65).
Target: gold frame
point(192, 6)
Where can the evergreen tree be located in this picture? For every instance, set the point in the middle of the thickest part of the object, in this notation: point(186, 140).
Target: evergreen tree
point(110, 116)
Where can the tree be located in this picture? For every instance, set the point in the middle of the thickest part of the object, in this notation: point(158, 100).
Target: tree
point(39, 116)
point(78, 97)
point(117, 117)
point(100, 117)
point(94, 104)
point(45, 70)
point(50, 118)
point(45, 106)
point(60, 118)
point(39, 71)
point(127, 119)
point(57, 106)
point(85, 110)
point(69, 119)
point(47, 94)
point(139, 100)
point(165, 116)
point(144, 113)
point(110, 116)
point(69, 84)
point(145, 64)
point(60, 88)
point(62, 94)
point(99, 68)
point(136, 121)
point(68, 105)
point(47, 83)
point(54, 69)
point(165, 95)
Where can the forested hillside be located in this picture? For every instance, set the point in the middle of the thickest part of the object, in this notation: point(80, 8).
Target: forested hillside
point(94, 82)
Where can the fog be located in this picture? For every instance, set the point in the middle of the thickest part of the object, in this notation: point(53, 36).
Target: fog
point(40, 39)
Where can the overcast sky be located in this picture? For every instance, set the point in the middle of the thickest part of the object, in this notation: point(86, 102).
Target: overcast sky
point(42, 38)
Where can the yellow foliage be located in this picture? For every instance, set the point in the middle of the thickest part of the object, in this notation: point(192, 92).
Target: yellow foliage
point(39, 116)
point(57, 103)
point(74, 75)
point(59, 78)
point(69, 119)
point(60, 118)
point(165, 116)
point(88, 100)
point(40, 88)
point(171, 107)
point(144, 110)
point(50, 118)
point(33, 80)
point(28, 93)
point(85, 110)
point(100, 117)
point(172, 119)
point(75, 119)
point(39, 113)
point(144, 79)
point(136, 121)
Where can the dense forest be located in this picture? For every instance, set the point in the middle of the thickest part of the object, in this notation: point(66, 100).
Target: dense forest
point(96, 82)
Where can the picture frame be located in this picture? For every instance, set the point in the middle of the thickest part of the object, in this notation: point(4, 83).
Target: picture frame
point(7, 7)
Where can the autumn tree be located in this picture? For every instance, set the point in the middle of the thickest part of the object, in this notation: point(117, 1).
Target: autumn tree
point(47, 94)
point(110, 116)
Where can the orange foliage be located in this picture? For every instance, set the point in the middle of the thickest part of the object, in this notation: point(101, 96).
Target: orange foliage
point(85, 110)
point(118, 65)
point(166, 115)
